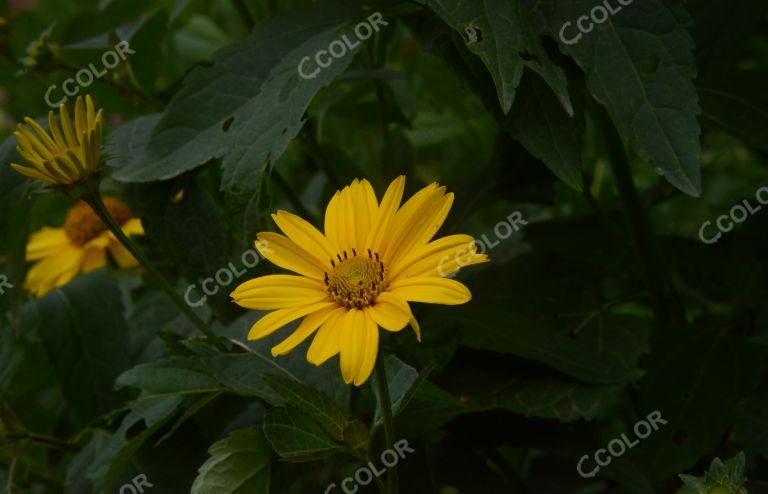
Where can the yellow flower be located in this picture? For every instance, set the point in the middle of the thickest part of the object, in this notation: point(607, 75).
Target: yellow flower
point(373, 259)
point(66, 155)
point(79, 247)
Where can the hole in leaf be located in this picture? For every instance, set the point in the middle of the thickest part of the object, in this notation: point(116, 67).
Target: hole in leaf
point(472, 34)
point(227, 123)
point(529, 57)
point(135, 429)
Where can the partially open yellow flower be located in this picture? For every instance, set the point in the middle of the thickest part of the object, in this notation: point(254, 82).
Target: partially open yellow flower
point(373, 259)
point(79, 247)
point(62, 155)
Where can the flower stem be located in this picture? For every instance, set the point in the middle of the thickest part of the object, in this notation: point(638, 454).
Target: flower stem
point(389, 423)
point(93, 198)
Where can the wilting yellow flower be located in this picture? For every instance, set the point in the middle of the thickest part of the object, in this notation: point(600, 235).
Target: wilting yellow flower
point(79, 247)
point(63, 155)
point(373, 259)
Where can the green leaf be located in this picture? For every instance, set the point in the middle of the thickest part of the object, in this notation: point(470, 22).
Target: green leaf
point(295, 436)
point(715, 370)
point(171, 376)
point(751, 431)
point(238, 464)
point(403, 381)
point(87, 358)
point(640, 65)
point(312, 402)
point(144, 419)
point(249, 104)
point(737, 104)
point(504, 37)
point(547, 132)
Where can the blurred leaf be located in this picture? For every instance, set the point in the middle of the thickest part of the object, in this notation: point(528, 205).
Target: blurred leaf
point(640, 65)
point(295, 436)
point(751, 430)
point(70, 321)
point(737, 104)
point(249, 103)
point(238, 464)
point(694, 379)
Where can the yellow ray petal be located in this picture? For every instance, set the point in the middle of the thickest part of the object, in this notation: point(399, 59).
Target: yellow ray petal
point(279, 318)
point(408, 213)
point(334, 223)
point(45, 242)
point(94, 259)
point(385, 213)
point(279, 291)
point(66, 127)
point(327, 341)
point(132, 227)
point(439, 258)
point(352, 343)
point(121, 255)
point(390, 311)
point(369, 350)
point(305, 329)
point(284, 252)
point(54, 271)
point(42, 134)
point(32, 173)
point(431, 290)
point(305, 236)
point(364, 208)
point(80, 123)
point(61, 143)
point(419, 228)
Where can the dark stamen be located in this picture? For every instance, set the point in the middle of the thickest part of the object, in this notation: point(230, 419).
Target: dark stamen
point(340, 259)
point(345, 254)
point(354, 252)
point(333, 263)
point(377, 257)
point(369, 253)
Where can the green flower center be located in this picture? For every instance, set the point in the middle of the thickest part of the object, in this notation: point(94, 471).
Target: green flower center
point(356, 281)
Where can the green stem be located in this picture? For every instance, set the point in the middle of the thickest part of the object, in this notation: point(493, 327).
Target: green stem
point(389, 423)
point(93, 198)
point(42, 440)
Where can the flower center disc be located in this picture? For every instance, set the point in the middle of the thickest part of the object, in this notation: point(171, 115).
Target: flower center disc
point(356, 282)
point(82, 225)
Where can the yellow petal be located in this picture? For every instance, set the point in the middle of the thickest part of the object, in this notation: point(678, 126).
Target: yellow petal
point(385, 213)
point(327, 341)
point(66, 127)
point(431, 290)
point(46, 242)
point(132, 227)
point(305, 329)
point(28, 141)
point(401, 225)
point(390, 311)
point(61, 143)
point(353, 340)
point(42, 134)
point(94, 259)
point(279, 318)
point(284, 252)
point(121, 255)
point(369, 350)
point(364, 208)
point(439, 258)
point(305, 236)
point(55, 270)
point(80, 118)
point(90, 112)
point(418, 229)
point(32, 173)
point(279, 291)
point(334, 226)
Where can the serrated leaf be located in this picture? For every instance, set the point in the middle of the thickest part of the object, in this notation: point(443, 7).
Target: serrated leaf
point(296, 436)
point(249, 104)
point(238, 464)
point(503, 36)
point(640, 65)
point(547, 132)
point(312, 402)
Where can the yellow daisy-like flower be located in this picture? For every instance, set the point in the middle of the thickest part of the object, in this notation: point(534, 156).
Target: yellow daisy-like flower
point(66, 155)
point(79, 247)
point(359, 275)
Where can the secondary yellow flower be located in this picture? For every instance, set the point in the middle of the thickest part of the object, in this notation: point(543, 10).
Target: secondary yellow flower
point(63, 155)
point(373, 259)
point(79, 247)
